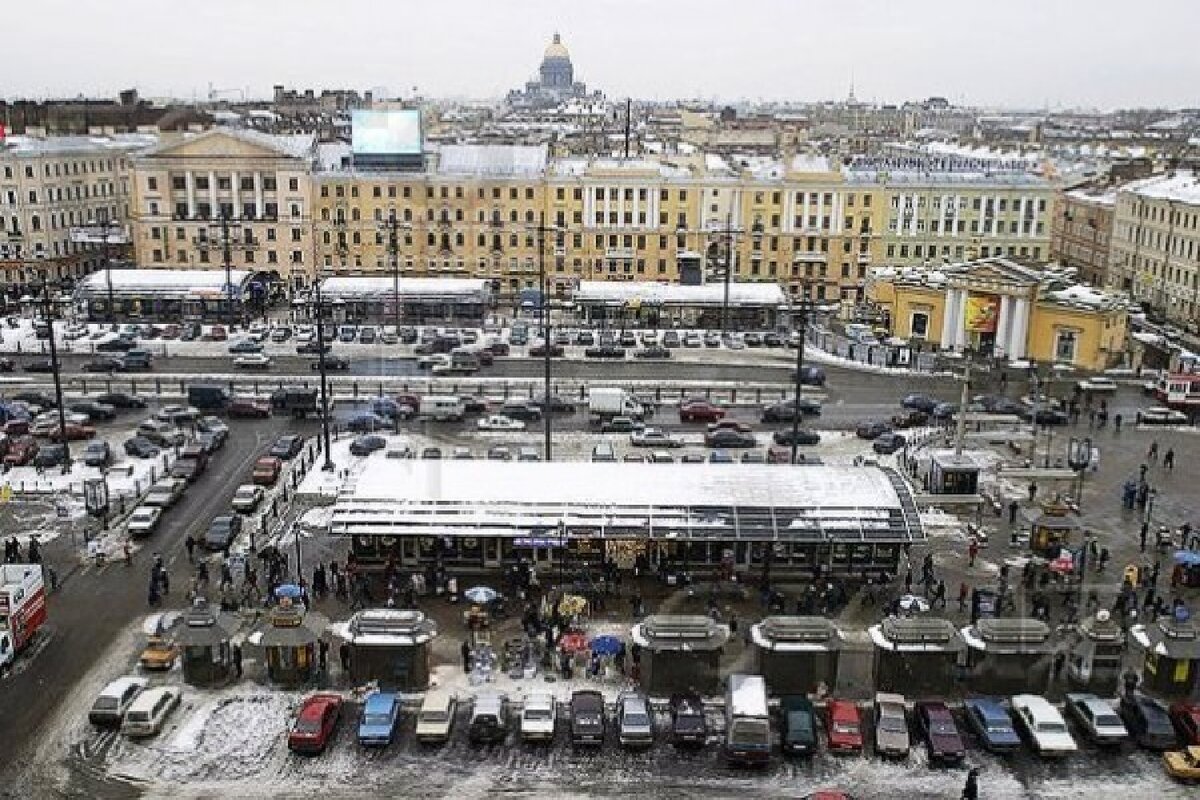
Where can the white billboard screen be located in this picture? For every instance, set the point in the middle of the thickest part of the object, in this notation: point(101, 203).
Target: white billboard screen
point(386, 132)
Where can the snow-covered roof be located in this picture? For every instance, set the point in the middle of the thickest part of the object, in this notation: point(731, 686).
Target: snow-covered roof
point(65, 145)
point(1084, 295)
point(647, 293)
point(665, 501)
point(1182, 186)
point(174, 283)
point(364, 287)
point(808, 162)
point(492, 160)
point(1101, 198)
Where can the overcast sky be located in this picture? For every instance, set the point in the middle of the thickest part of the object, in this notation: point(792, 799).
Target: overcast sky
point(1027, 53)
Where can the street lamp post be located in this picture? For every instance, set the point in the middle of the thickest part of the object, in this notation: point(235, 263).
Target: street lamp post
point(541, 229)
point(392, 227)
point(803, 331)
point(328, 464)
point(48, 312)
point(1079, 455)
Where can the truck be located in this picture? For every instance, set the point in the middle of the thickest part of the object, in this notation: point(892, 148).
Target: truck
point(442, 407)
point(297, 401)
point(747, 720)
point(208, 397)
point(462, 362)
point(604, 403)
point(22, 608)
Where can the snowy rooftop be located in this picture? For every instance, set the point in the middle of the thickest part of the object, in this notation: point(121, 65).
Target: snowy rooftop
point(368, 287)
point(616, 167)
point(1107, 197)
point(492, 161)
point(1182, 186)
point(817, 503)
point(64, 145)
point(195, 283)
point(712, 294)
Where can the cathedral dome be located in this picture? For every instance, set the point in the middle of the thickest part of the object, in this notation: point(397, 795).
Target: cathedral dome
point(555, 50)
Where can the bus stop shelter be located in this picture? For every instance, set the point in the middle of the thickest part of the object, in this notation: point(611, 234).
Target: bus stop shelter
point(916, 656)
point(1008, 656)
point(389, 646)
point(795, 655)
point(680, 653)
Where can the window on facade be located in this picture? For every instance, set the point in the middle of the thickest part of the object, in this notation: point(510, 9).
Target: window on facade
point(1064, 346)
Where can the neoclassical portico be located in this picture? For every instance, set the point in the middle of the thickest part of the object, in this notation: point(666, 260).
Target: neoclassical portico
point(989, 310)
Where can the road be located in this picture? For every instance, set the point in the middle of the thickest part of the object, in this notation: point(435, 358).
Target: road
point(94, 603)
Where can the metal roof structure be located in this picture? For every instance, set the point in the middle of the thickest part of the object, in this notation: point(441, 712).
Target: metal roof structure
point(167, 284)
point(665, 294)
point(369, 288)
point(716, 502)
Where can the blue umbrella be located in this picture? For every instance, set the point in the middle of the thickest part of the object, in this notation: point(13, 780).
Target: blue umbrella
point(288, 590)
point(606, 645)
point(1188, 558)
point(481, 594)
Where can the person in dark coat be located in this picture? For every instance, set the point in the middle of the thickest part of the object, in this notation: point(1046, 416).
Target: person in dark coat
point(466, 656)
point(344, 654)
point(971, 789)
point(190, 544)
point(323, 654)
point(237, 660)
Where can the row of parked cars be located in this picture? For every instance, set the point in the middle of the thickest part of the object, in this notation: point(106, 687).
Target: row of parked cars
point(31, 418)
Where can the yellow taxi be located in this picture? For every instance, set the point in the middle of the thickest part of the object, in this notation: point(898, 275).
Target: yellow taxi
point(1183, 764)
point(160, 653)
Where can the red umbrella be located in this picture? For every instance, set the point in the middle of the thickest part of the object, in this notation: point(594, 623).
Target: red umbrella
point(1064, 564)
point(573, 643)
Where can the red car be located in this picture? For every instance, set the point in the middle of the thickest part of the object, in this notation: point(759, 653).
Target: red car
point(844, 727)
point(315, 723)
point(730, 425)
point(74, 433)
point(266, 471)
point(700, 411)
point(1186, 717)
point(21, 451)
point(940, 731)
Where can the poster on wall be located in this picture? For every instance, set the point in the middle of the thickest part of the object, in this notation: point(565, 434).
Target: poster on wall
point(983, 313)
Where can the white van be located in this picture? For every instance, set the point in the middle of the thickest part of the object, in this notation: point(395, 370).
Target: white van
point(442, 407)
point(603, 451)
point(435, 720)
point(747, 723)
point(150, 710)
point(114, 700)
point(537, 717)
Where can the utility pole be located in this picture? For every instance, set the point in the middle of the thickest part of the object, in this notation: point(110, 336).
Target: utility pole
point(961, 433)
point(803, 330)
point(226, 228)
point(328, 465)
point(628, 121)
point(48, 312)
point(105, 234)
point(392, 227)
point(728, 272)
point(545, 301)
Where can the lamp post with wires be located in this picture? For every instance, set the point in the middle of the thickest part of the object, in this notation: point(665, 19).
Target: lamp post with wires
point(541, 229)
point(319, 307)
point(391, 227)
point(730, 234)
point(800, 311)
point(222, 237)
point(56, 369)
point(105, 234)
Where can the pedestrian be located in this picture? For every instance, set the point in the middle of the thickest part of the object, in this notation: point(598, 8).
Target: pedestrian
point(1152, 453)
point(164, 579)
point(1013, 506)
point(939, 594)
point(1130, 679)
point(190, 544)
point(971, 789)
point(1169, 459)
point(1060, 658)
point(466, 655)
point(1091, 418)
point(35, 550)
point(1142, 536)
point(237, 660)
point(972, 551)
point(1117, 423)
point(1032, 491)
point(962, 596)
point(128, 552)
point(344, 656)
point(323, 655)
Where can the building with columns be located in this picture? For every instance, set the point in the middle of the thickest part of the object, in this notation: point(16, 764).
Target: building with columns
point(1001, 309)
point(258, 184)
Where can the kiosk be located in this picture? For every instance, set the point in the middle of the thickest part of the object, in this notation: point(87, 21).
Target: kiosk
point(916, 656)
point(680, 653)
point(1095, 652)
point(796, 654)
point(389, 646)
point(1171, 654)
point(1008, 656)
point(204, 643)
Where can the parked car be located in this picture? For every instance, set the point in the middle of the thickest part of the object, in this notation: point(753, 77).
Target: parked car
point(943, 741)
point(697, 410)
point(870, 429)
point(653, 437)
point(587, 718)
point(1148, 721)
point(489, 718)
point(802, 437)
point(247, 497)
point(620, 425)
point(176, 414)
point(366, 444)
point(367, 422)
point(797, 725)
point(245, 346)
point(266, 471)
point(909, 419)
point(332, 364)
point(51, 455)
point(312, 348)
point(991, 723)
point(149, 711)
point(222, 531)
point(287, 446)
point(719, 457)
point(689, 726)
point(844, 727)
point(1186, 717)
point(165, 493)
point(1159, 415)
point(527, 412)
point(887, 443)
point(140, 447)
point(944, 411)
point(725, 439)
point(185, 469)
point(97, 454)
point(253, 361)
point(786, 412)
point(380, 713)
point(538, 713)
point(652, 351)
point(248, 408)
point(919, 402)
point(106, 364)
point(159, 654)
point(1042, 727)
point(635, 721)
point(435, 719)
point(1097, 384)
point(891, 725)
point(143, 521)
point(316, 722)
point(499, 422)
point(110, 705)
point(21, 451)
point(1096, 717)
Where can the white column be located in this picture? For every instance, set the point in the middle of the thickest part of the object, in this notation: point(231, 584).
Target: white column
point(190, 181)
point(621, 207)
point(949, 313)
point(258, 195)
point(234, 188)
point(636, 206)
point(1002, 325)
point(607, 204)
point(912, 225)
point(1020, 329)
point(954, 198)
point(804, 212)
point(789, 205)
point(212, 195)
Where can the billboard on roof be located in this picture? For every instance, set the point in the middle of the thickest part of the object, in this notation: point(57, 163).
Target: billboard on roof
point(383, 133)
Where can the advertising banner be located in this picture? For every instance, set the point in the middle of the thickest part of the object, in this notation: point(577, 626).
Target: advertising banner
point(983, 313)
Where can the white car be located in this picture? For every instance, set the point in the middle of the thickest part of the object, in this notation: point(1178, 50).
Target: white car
point(114, 700)
point(144, 520)
point(150, 710)
point(1042, 726)
point(253, 361)
point(653, 437)
point(247, 497)
point(433, 361)
point(1159, 415)
point(178, 414)
point(1098, 383)
point(165, 493)
point(537, 717)
point(499, 422)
